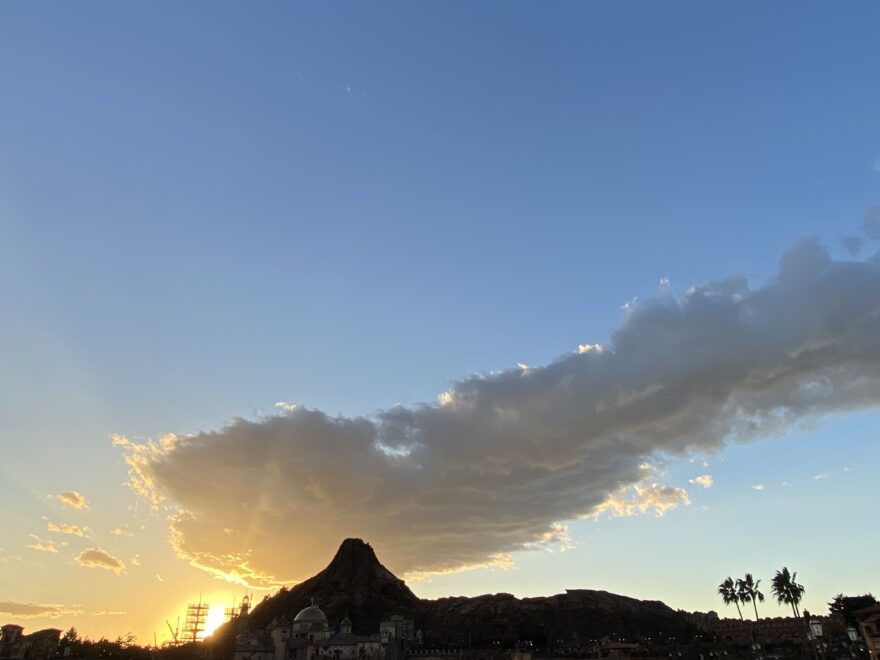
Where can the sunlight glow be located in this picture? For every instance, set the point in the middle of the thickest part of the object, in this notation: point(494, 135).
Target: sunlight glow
point(214, 620)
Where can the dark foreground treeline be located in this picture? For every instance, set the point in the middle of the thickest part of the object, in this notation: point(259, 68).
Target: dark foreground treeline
point(74, 647)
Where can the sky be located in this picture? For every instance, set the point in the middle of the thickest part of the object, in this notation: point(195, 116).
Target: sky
point(581, 295)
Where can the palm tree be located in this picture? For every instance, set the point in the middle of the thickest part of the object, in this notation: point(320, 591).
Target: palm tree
point(748, 591)
point(727, 589)
point(787, 590)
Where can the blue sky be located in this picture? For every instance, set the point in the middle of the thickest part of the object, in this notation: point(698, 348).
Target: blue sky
point(206, 208)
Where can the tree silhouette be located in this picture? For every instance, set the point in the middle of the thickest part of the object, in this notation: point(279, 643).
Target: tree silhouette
point(123, 647)
point(787, 590)
point(729, 594)
point(847, 606)
point(747, 589)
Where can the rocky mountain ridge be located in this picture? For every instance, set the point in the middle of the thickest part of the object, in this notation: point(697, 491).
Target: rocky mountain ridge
point(355, 583)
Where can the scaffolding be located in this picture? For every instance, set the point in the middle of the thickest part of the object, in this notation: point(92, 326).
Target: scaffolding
point(235, 613)
point(196, 615)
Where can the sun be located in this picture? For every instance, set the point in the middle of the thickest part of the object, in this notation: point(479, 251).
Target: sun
point(214, 619)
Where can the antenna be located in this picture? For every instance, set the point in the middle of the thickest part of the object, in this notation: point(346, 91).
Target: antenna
point(196, 614)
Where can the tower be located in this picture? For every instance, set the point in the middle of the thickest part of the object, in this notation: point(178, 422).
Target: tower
point(196, 614)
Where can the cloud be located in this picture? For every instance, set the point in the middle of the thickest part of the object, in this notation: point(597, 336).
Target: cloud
point(100, 558)
point(641, 498)
point(120, 532)
point(871, 225)
point(852, 244)
point(501, 561)
point(73, 499)
point(821, 476)
point(758, 487)
point(34, 610)
point(557, 537)
point(48, 610)
point(704, 480)
point(64, 528)
point(43, 545)
point(500, 458)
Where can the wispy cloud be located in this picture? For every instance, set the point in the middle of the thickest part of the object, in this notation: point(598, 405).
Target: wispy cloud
point(502, 457)
point(852, 244)
point(642, 498)
point(100, 558)
point(64, 528)
point(821, 476)
point(758, 487)
point(35, 610)
point(871, 226)
point(49, 610)
point(704, 480)
point(73, 499)
point(43, 545)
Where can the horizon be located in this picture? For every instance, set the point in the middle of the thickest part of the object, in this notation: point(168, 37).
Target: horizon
point(580, 296)
point(216, 618)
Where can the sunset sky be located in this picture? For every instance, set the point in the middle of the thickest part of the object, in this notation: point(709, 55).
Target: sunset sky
point(529, 296)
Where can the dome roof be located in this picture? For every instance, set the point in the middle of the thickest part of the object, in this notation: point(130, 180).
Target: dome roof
point(310, 614)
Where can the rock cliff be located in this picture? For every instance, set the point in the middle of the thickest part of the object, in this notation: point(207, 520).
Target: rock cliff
point(356, 583)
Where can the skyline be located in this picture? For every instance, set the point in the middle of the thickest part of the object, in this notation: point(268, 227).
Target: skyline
point(339, 235)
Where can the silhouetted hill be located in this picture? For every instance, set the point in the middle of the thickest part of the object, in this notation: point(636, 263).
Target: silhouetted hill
point(357, 584)
point(569, 619)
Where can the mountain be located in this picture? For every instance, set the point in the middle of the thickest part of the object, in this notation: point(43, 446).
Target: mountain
point(357, 584)
point(354, 583)
point(569, 620)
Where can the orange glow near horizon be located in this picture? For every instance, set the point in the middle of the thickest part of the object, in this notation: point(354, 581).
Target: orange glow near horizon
point(214, 620)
